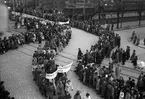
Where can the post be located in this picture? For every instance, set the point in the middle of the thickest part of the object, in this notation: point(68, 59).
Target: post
point(84, 10)
point(72, 13)
point(99, 10)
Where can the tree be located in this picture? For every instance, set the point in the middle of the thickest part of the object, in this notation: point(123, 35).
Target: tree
point(140, 10)
point(122, 11)
point(117, 4)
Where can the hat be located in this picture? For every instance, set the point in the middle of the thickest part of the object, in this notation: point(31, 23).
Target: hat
point(2, 82)
point(87, 94)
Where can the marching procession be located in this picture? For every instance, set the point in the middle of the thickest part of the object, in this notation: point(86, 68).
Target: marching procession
point(57, 37)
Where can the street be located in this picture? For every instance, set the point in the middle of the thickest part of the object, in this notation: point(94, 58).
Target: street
point(15, 68)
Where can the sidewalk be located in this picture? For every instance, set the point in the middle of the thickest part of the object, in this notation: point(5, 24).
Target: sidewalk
point(132, 25)
point(129, 25)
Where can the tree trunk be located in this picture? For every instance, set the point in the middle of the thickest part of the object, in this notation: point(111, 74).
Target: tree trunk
point(118, 19)
point(140, 18)
point(122, 14)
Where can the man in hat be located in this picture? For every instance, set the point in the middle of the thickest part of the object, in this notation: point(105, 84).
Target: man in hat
point(123, 57)
point(127, 53)
point(133, 56)
point(135, 61)
point(79, 56)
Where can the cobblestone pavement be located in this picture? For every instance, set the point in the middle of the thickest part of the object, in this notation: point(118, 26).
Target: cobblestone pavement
point(15, 66)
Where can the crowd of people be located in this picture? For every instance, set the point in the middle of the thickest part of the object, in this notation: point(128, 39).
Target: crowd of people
point(50, 14)
point(44, 62)
point(107, 81)
point(56, 37)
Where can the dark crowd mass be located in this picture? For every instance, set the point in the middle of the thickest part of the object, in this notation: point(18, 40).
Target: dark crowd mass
point(44, 62)
point(41, 13)
point(106, 80)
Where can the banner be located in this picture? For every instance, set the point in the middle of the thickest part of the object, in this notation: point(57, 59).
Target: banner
point(63, 69)
point(30, 16)
point(63, 23)
point(51, 76)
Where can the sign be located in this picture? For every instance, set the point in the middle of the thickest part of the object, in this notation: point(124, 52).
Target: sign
point(63, 23)
point(63, 69)
point(52, 75)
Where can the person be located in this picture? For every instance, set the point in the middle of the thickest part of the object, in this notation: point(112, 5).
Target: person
point(135, 61)
point(112, 27)
point(133, 35)
point(78, 95)
point(138, 41)
point(123, 57)
point(117, 72)
point(127, 53)
point(121, 82)
point(87, 96)
point(133, 56)
point(135, 39)
point(79, 56)
point(68, 96)
point(140, 84)
point(68, 86)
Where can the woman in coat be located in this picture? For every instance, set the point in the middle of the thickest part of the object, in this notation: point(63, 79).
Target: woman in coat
point(133, 56)
point(79, 56)
point(135, 61)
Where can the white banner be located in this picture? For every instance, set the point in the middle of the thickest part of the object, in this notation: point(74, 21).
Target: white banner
point(30, 16)
point(51, 76)
point(61, 69)
point(63, 23)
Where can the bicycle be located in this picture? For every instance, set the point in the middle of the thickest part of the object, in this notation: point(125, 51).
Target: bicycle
point(129, 39)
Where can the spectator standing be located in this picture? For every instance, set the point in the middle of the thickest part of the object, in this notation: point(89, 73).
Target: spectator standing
point(117, 71)
point(112, 27)
point(133, 56)
point(78, 95)
point(87, 96)
point(127, 53)
point(79, 56)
